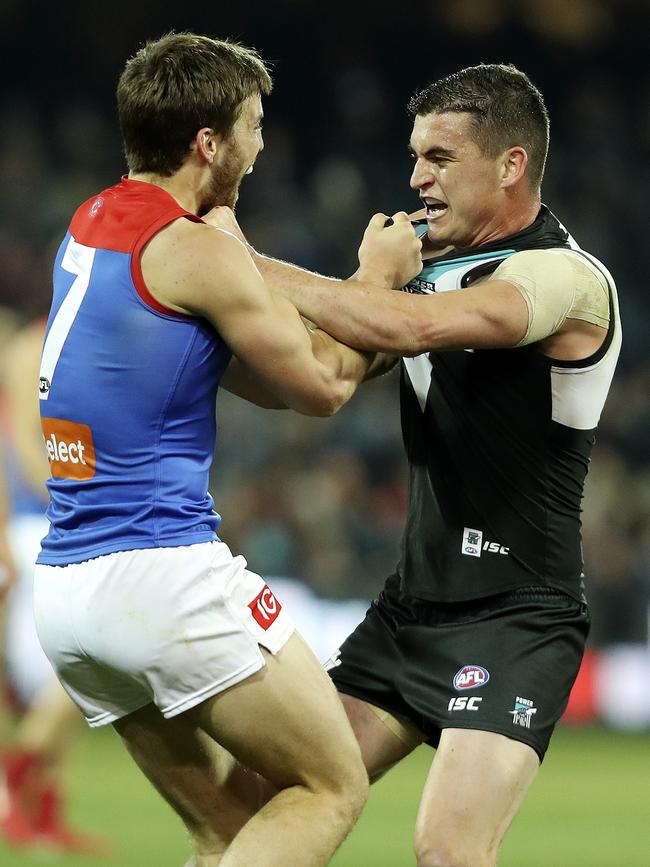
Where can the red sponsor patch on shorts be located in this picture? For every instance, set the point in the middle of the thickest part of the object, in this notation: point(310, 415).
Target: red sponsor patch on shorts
point(265, 607)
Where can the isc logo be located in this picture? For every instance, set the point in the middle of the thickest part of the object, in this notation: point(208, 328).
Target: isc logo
point(470, 676)
point(495, 548)
point(464, 702)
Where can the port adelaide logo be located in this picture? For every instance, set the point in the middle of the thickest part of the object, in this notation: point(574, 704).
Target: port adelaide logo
point(471, 676)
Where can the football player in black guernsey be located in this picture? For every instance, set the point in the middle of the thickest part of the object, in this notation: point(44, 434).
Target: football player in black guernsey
point(509, 339)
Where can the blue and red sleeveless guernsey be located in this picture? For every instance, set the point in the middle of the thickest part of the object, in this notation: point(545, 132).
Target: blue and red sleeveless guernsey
point(127, 391)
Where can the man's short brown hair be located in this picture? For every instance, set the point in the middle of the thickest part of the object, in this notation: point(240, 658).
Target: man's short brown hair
point(175, 86)
point(506, 107)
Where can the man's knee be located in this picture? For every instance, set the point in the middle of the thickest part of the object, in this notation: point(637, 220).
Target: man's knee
point(340, 778)
point(349, 789)
point(431, 852)
point(358, 789)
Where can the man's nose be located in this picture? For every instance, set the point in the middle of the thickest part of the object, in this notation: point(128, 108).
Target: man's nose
point(420, 177)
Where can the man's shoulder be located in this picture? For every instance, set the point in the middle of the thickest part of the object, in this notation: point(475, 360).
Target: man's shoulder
point(554, 263)
point(194, 267)
point(546, 255)
point(194, 238)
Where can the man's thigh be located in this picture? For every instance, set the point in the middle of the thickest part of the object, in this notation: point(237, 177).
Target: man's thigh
point(285, 722)
point(383, 739)
point(211, 792)
point(475, 787)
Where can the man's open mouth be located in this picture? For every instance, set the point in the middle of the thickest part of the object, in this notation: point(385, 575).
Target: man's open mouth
point(435, 209)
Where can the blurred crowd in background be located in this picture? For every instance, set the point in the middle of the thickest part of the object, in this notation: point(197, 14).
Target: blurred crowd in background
point(325, 500)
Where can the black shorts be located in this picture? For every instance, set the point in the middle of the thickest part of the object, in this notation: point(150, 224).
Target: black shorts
point(503, 664)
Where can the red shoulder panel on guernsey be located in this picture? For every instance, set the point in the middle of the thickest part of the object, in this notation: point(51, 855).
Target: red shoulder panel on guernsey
point(123, 219)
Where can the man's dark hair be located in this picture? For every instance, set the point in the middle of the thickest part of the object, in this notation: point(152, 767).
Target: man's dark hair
point(506, 107)
point(175, 86)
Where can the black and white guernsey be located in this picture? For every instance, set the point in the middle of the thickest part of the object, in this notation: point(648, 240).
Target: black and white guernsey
point(498, 443)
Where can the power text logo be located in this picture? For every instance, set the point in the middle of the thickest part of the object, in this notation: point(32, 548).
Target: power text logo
point(522, 712)
point(70, 449)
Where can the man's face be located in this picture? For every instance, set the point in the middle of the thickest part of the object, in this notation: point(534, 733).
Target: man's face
point(236, 156)
point(459, 186)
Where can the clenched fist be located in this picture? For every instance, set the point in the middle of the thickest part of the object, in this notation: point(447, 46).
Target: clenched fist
point(389, 256)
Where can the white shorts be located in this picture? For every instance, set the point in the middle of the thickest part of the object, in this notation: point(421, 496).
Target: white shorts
point(172, 626)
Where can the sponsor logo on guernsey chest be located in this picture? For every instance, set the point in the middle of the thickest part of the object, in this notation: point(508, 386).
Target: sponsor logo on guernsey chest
point(70, 449)
point(471, 676)
point(419, 286)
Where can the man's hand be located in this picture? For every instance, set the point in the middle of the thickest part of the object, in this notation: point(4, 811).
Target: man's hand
point(389, 256)
point(224, 218)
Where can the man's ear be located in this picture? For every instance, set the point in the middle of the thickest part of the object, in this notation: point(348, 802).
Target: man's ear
point(206, 142)
point(513, 166)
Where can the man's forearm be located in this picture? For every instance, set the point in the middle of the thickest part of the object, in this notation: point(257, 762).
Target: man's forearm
point(353, 311)
point(348, 366)
point(302, 287)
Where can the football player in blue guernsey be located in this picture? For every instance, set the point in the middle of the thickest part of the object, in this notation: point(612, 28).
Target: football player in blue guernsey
point(149, 621)
point(510, 336)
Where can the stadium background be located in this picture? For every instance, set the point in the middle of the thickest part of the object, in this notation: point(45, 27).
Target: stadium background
point(324, 501)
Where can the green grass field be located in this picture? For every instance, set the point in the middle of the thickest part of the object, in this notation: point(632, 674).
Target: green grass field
point(590, 807)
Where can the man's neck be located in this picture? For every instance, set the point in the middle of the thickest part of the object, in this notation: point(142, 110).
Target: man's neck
point(181, 186)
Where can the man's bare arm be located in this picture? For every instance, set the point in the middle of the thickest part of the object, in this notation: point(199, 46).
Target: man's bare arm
point(241, 381)
point(357, 312)
point(490, 315)
point(194, 269)
point(307, 290)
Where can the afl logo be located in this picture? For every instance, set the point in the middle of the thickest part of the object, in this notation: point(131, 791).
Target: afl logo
point(43, 385)
point(96, 206)
point(471, 676)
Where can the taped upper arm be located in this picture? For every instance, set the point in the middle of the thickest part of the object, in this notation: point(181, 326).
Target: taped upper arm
point(546, 281)
point(556, 285)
